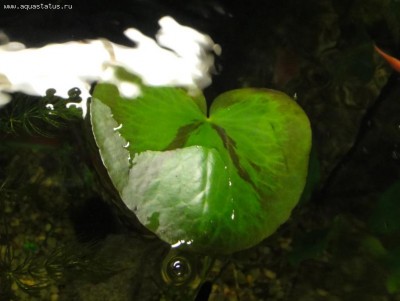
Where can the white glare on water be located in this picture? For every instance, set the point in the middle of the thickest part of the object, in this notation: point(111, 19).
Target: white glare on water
point(187, 62)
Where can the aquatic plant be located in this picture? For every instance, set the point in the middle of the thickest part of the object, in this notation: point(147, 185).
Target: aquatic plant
point(33, 259)
point(214, 180)
point(32, 273)
point(38, 116)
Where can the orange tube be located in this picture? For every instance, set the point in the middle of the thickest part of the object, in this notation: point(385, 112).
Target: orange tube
point(393, 62)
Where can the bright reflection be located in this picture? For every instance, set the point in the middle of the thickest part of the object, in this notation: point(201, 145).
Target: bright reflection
point(50, 106)
point(187, 62)
point(181, 242)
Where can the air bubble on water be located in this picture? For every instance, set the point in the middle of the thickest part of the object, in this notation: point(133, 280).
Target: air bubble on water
point(50, 92)
point(74, 92)
point(177, 268)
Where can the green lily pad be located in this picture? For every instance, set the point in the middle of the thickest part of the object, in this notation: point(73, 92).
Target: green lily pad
point(217, 183)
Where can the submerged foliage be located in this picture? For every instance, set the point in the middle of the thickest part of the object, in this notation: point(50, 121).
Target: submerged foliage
point(37, 116)
point(38, 251)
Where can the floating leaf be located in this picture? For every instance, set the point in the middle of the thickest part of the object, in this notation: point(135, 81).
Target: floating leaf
point(217, 183)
